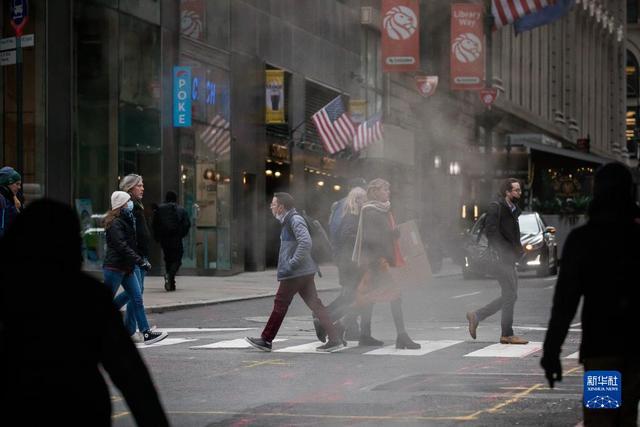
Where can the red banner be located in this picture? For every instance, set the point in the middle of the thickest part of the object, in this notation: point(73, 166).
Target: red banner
point(467, 47)
point(400, 35)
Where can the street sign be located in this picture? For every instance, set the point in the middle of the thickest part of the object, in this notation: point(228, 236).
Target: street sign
point(7, 58)
point(19, 15)
point(488, 96)
point(7, 43)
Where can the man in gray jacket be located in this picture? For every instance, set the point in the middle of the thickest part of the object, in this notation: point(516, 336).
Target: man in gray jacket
point(296, 270)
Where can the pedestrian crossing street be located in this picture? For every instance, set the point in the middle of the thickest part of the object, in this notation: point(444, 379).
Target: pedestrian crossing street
point(304, 345)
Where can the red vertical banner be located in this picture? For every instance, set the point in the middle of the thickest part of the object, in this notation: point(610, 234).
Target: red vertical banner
point(467, 47)
point(400, 35)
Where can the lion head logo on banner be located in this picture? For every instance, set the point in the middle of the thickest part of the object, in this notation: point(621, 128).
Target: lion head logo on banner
point(400, 22)
point(467, 47)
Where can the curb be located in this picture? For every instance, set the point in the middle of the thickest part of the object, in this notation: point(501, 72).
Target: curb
point(195, 304)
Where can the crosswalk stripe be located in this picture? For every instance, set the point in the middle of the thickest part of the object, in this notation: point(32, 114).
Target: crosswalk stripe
point(306, 348)
point(165, 342)
point(507, 350)
point(573, 355)
point(425, 348)
point(183, 330)
point(231, 344)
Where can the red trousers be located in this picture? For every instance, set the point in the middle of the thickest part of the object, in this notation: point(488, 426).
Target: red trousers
point(306, 287)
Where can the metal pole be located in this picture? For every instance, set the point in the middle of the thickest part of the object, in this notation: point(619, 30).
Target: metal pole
point(488, 123)
point(19, 126)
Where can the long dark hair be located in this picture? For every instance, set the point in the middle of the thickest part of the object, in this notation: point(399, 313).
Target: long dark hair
point(612, 194)
point(110, 216)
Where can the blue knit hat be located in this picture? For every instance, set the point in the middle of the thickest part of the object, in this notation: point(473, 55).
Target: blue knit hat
point(8, 175)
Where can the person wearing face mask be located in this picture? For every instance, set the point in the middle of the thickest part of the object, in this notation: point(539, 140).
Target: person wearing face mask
point(296, 270)
point(134, 185)
point(122, 259)
point(10, 205)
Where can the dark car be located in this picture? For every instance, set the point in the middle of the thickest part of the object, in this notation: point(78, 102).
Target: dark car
point(538, 241)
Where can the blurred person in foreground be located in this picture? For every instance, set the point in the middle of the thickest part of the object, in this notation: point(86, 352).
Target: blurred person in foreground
point(59, 330)
point(599, 265)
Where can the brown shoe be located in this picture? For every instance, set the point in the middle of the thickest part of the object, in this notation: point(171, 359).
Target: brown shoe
point(473, 324)
point(513, 339)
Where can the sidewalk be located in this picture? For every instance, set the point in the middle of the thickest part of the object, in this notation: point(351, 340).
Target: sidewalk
point(195, 291)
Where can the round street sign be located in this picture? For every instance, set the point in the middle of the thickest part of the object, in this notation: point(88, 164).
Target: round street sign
point(19, 15)
point(488, 96)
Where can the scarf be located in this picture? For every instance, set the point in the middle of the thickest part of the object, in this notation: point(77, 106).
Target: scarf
point(357, 249)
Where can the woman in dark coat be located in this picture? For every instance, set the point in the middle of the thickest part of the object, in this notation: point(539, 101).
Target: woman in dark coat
point(122, 259)
point(377, 249)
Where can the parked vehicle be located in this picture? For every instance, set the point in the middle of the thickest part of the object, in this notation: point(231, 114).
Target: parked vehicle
point(538, 241)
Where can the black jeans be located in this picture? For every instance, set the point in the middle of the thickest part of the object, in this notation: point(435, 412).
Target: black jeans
point(508, 280)
point(173, 251)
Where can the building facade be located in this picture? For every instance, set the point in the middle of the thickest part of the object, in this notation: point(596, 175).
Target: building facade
point(98, 104)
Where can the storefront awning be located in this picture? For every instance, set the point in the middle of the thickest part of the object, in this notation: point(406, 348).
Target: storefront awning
point(546, 144)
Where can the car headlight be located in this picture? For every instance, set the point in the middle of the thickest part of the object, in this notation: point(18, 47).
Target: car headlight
point(533, 246)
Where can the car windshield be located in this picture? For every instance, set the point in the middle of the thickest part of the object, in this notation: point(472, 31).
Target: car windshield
point(528, 224)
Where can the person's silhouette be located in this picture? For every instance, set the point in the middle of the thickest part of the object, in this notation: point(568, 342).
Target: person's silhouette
point(599, 263)
point(59, 326)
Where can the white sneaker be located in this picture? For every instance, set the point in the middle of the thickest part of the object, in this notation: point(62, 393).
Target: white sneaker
point(137, 338)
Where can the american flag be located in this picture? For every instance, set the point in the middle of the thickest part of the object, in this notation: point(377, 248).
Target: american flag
point(368, 132)
point(334, 125)
point(506, 12)
point(217, 135)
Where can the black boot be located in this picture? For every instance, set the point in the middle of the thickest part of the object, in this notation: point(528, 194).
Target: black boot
point(403, 341)
point(369, 341)
point(167, 283)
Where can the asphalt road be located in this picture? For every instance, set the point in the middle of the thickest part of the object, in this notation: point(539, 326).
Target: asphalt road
point(461, 382)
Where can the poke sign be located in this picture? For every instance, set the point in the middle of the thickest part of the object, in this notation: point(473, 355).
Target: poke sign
point(488, 96)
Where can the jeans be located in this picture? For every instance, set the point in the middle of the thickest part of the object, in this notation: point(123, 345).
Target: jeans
point(130, 283)
point(306, 287)
point(508, 280)
point(123, 298)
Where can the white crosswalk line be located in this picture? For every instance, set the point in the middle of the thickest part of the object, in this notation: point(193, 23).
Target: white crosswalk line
point(165, 342)
point(306, 348)
point(507, 350)
point(231, 344)
point(425, 348)
point(183, 330)
point(573, 355)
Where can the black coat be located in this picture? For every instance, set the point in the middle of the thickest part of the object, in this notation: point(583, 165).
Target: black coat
point(122, 251)
point(36, 383)
point(379, 238)
point(170, 223)
point(143, 236)
point(503, 230)
point(599, 264)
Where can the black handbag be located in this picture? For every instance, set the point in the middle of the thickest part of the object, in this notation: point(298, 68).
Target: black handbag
point(488, 256)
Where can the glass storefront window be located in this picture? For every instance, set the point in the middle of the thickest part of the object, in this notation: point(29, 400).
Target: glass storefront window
point(33, 105)
point(117, 107)
point(205, 159)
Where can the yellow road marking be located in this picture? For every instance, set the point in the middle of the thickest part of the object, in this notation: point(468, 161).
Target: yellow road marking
point(572, 370)
point(254, 363)
point(322, 416)
point(499, 406)
point(121, 414)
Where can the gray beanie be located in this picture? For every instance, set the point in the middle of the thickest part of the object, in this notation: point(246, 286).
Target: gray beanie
point(130, 181)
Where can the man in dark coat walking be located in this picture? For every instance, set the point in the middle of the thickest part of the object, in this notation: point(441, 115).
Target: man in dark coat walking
point(599, 265)
point(503, 233)
point(170, 225)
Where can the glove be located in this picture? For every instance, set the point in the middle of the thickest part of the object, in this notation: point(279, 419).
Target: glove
point(146, 265)
point(552, 369)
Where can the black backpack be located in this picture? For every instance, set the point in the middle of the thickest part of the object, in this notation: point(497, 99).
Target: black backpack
point(321, 249)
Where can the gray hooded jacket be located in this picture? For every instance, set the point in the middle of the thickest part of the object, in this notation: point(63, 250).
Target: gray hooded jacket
point(294, 259)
